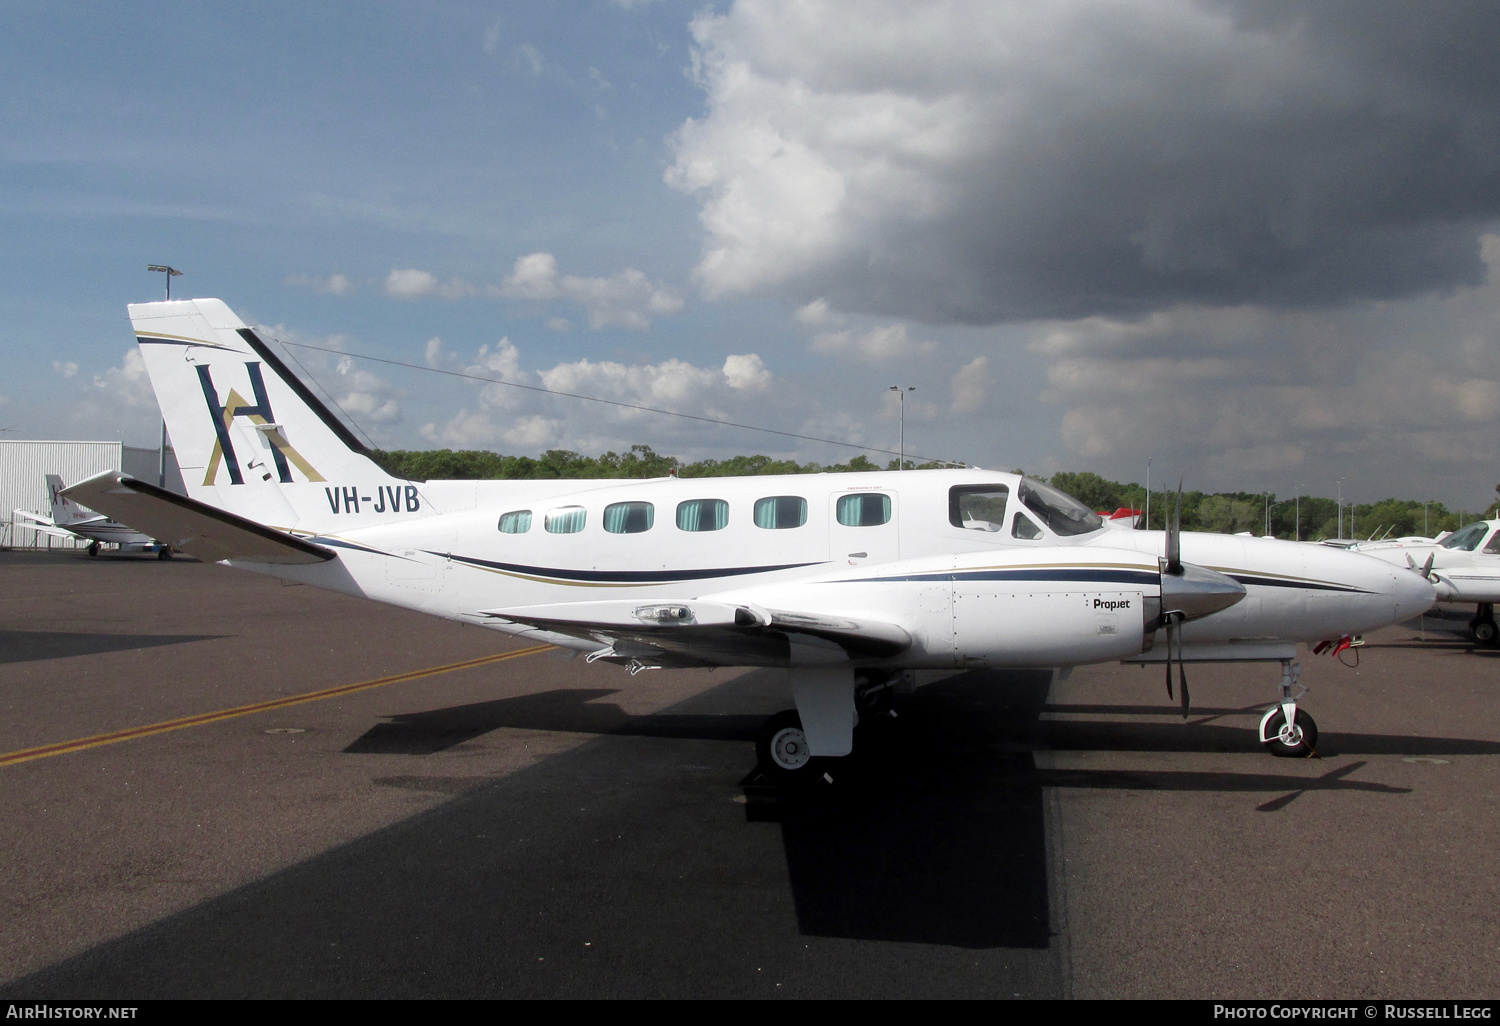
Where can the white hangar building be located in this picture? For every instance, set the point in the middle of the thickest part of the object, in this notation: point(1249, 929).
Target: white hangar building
point(24, 466)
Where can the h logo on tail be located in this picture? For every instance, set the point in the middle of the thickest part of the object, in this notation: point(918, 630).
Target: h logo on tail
point(259, 413)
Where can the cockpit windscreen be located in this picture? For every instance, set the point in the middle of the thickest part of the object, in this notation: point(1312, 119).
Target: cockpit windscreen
point(1061, 512)
point(1466, 539)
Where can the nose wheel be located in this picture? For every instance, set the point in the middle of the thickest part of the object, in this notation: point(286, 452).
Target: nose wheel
point(1286, 731)
point(1290, 739)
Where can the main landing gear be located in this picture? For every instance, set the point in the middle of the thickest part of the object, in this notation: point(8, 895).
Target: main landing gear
point(1482, 628)
point(783, 748)
point(1285, 730)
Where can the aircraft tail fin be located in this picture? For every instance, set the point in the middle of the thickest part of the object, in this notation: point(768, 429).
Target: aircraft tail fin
point(250, 436)
point(65, 510)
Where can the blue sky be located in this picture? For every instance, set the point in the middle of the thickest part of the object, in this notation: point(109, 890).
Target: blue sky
point(1254, 244)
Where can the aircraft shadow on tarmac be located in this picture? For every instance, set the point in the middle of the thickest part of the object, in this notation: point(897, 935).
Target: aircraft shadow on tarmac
point(26, 646)
point(934, 832)
point(936, 835)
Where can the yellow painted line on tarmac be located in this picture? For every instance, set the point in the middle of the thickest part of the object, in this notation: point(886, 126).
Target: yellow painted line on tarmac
point(79, 744)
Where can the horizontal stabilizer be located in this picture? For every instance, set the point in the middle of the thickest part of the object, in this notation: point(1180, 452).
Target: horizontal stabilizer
point(189, 526)
point(40, 524)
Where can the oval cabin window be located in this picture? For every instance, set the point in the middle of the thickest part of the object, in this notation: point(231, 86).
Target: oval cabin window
point(864, 509)
point(702, 515)
point(564, 520)
point(629, 517)
point(516, 522)
point(779, 512)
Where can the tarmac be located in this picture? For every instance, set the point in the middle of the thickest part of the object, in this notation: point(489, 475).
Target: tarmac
point(215, 785)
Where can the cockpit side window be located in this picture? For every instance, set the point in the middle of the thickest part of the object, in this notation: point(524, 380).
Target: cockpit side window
point(978, 507)
point(1493, 546)
point(1061, 512)
point(1024, 528)
point(1466, 539)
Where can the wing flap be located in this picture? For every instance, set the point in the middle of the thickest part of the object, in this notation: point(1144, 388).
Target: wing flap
point(188, 526)
point(712, 633)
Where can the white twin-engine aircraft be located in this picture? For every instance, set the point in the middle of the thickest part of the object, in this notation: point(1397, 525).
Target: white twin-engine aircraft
point(847, 581)
point(1464, 567)
point(70, 520)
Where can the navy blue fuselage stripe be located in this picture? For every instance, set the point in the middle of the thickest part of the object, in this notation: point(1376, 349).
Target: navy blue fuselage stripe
point(627, 576)
point(1089, 575)
point(1275, 582)
point(339, 543)
point(154, 341)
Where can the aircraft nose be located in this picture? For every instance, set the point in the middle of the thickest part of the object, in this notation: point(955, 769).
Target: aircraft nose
point(1413, 593)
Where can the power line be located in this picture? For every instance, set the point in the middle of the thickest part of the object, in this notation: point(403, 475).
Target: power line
point(611, 402)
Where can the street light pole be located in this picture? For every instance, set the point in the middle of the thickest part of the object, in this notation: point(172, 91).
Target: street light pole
point(902, 393)
point(1148, 491)
point(170, 272)
point(1341, 508)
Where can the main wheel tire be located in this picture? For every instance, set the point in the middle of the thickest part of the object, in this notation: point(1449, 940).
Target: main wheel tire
point(165, 552)
point(1297, 743)
point(1484, 632)
point(93, 548)
point(782, 750)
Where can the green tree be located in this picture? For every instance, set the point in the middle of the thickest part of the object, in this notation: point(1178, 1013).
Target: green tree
point(1090, 489)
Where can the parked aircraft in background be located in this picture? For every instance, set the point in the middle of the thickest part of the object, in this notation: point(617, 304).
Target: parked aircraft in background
point(846, 581)
point(70, 520)
point(1464, 566)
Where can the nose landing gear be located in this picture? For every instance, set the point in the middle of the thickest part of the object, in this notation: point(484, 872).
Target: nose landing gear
point(1285, 731)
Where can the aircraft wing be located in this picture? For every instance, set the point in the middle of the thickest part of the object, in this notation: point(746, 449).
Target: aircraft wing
point(694, 632)
point(193, 527)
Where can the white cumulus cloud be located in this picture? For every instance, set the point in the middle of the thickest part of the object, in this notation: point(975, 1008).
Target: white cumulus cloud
point(628, 299)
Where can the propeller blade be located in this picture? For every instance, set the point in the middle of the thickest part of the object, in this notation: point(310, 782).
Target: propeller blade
point(1427, 566)
point(1169, 659)
point(1173, 562)
point(1182, 678)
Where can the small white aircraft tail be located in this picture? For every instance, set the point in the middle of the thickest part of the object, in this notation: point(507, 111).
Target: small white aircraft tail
point(64, 510)
point(250, 437)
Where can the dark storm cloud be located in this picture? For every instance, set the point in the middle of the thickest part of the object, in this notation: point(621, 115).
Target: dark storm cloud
point(975, 165)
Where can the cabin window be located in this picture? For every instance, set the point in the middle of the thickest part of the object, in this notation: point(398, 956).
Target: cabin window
point(1493, 548)
point(1024, 528)
point(629, 517)
point(978, 507)
point(703, 515)
point(864, 509)
point(516, 522)
point(564, 520)
point(1466, 539)
point(779, 512)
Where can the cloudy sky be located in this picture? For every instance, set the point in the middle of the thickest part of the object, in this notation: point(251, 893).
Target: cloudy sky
point(1255, 241)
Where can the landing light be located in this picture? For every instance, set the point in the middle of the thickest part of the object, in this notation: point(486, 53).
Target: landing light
point(664, 614)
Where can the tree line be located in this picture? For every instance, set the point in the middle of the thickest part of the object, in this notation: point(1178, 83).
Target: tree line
point(1308, 517)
